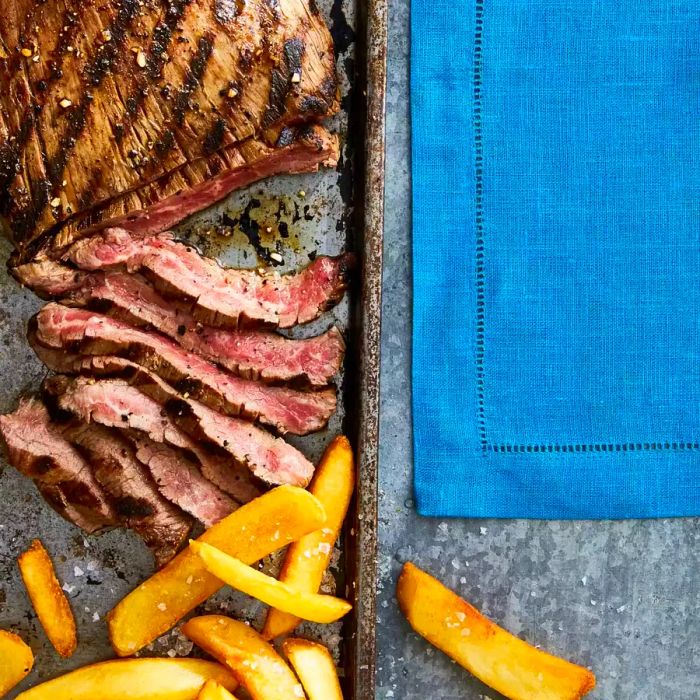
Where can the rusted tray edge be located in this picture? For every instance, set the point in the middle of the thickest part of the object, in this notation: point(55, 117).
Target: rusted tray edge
point(362, 549)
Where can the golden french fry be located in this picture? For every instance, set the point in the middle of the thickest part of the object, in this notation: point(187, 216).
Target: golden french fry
point(16, 660)
point(49, 600)
point(213, 691)
point(323, 609)
point(499, 659)
point(250, 533)
point(307, 559)
point(133, 679)
point(315, 668)
point(254, 662)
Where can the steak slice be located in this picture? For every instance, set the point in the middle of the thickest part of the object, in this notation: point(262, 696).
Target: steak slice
point(106, 120)
point(37, 448)
point(153, 407)
point(215, 465)
point(180, 481)
point(134, 494)
point(218, 296)
point(253, 354)
point(288, 410)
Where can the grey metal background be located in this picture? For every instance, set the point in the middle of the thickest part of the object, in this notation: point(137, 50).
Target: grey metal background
point(623, 597)
point(297, 217)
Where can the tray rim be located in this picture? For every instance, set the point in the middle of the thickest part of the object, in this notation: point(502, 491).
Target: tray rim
point(362, 557)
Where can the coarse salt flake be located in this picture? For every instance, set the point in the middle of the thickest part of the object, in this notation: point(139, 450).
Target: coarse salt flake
point(162, 607)
point(298, 691)
point(78, 572)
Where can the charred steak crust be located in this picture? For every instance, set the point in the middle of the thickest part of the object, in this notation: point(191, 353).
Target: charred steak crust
point(86, 332)
point(194, 83)
point(37, 448)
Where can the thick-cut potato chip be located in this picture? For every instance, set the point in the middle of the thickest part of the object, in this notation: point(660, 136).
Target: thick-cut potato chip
point(213, 691)
point(323, 609)
point(499, 659)
point(314, 665)
point(16, 660)
point(254, 662)
point(307, 559)
point(49, 600)
point(133, 679)
point(250, 533)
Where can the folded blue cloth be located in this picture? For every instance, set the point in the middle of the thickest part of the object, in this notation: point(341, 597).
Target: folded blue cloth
point(556, 176)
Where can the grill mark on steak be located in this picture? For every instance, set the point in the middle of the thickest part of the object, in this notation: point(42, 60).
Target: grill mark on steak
point(137, 501)
point(95, 72)
point(118, 87)
point(219, 296)
point(159, 206)
point(180, 481)
point(86, 332)
point(37, 449)
point(152, 406)
point(252, 354)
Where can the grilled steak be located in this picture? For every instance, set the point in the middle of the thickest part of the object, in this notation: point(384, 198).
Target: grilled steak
point(38, 449)
point(180, 481)
point(149, 404)
point(218, 296)
point(80, 331)
point(125, 92)
point(215, 465)
point(160, 205)
point(250, 353)
point(134, 494)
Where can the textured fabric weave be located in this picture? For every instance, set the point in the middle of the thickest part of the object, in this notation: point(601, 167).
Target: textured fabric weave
point(556, 179)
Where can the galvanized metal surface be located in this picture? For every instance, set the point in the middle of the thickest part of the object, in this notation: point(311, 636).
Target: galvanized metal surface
point(297, 217)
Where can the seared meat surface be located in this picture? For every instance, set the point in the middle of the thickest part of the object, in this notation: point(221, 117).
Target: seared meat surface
point(79, 331)
point(125, 92)
point(38, 449)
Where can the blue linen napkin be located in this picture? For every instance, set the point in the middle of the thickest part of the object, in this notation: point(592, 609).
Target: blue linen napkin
point(556, 179)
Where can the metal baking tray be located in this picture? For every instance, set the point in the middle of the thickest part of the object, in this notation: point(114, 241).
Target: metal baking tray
point(296, 217)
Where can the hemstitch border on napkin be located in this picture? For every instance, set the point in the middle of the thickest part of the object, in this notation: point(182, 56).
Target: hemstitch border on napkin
point(480, 281)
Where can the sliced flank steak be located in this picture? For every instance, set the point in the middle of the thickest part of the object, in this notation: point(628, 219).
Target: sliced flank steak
point(215, 465)
point(133, 492)
point(180, 481)
point(87, 332)
point(145, 402)
point(253, 354)
point(218, 296)
point(38, 449)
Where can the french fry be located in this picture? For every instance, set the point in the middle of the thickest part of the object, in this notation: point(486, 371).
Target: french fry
point(250, 533)
point(307, 559)
point(213, 691)
point(315, 668)
point(254, 662)
point(323, 609)
point(502, 661)
point(49, 601)
point(133, 679)
point(16, 661)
